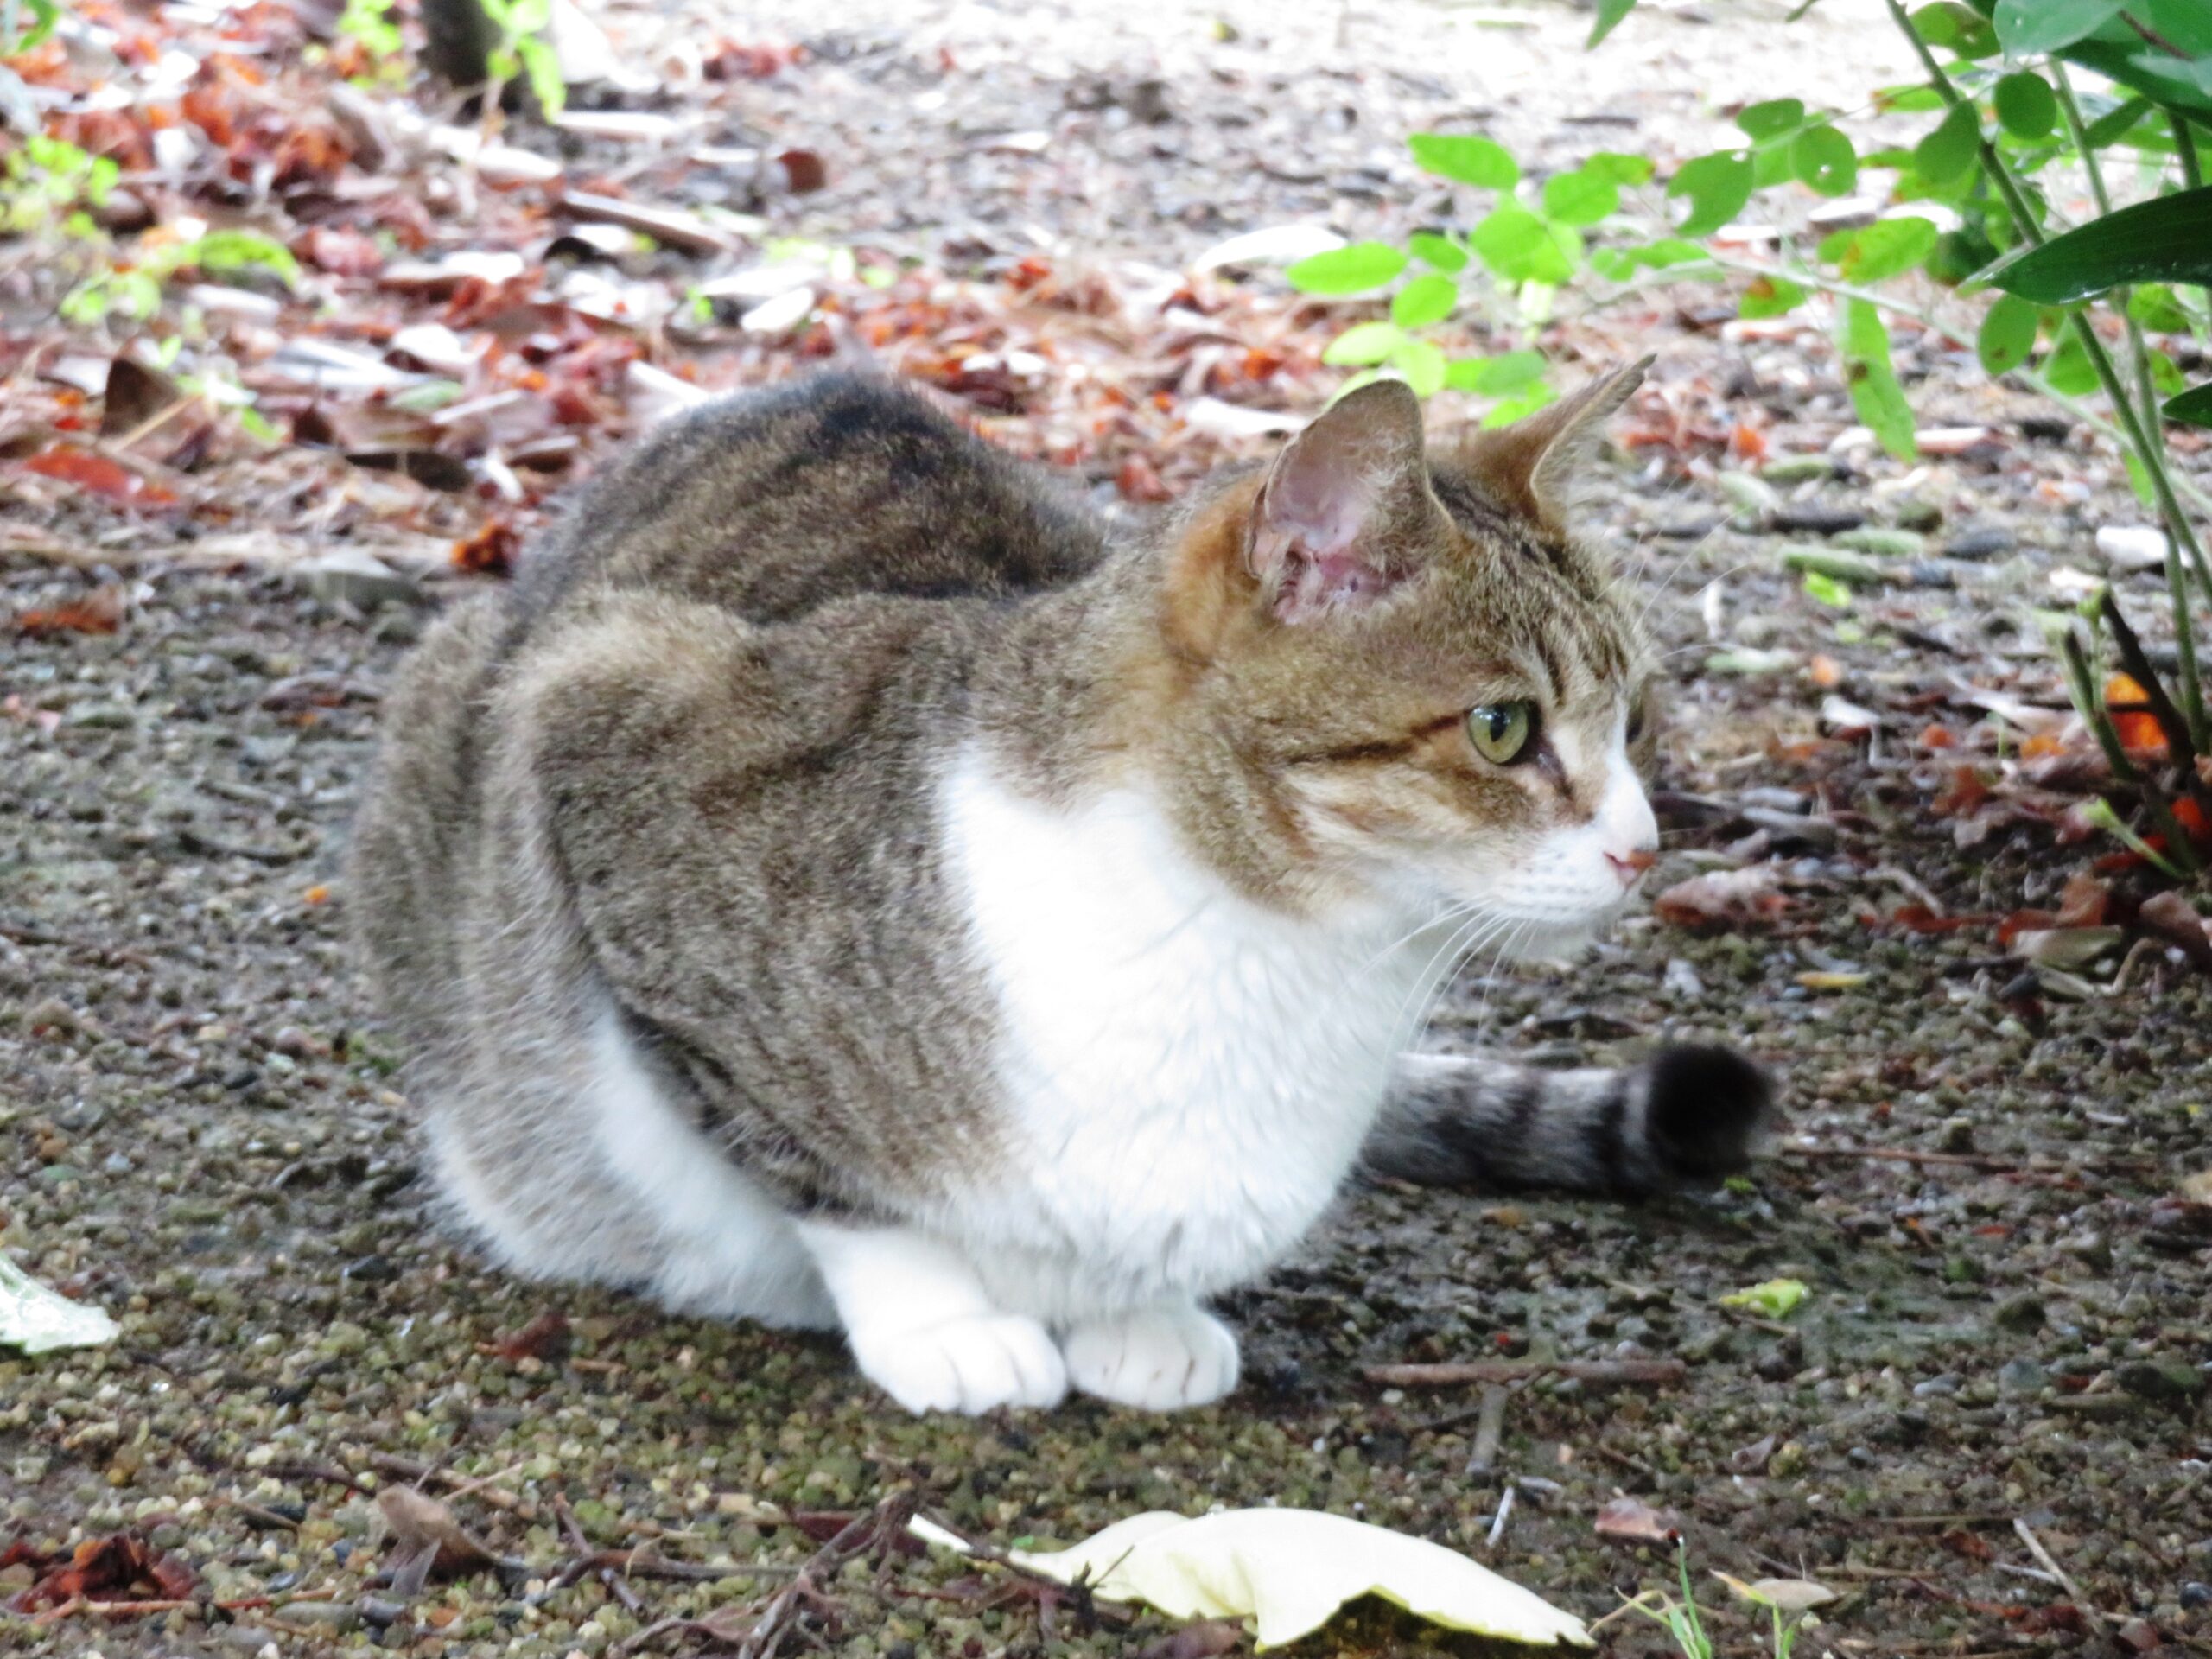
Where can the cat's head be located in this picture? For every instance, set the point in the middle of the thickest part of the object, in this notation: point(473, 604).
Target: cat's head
point(1398, 673)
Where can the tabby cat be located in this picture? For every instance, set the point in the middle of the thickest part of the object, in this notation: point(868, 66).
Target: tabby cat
point(840, 885)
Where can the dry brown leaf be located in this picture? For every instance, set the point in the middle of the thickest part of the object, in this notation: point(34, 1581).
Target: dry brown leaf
point(428, 1542)
point(1748, 896)
point(1630, 1520)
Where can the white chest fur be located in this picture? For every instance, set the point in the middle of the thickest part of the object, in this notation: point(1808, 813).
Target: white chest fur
point(1189, 1074)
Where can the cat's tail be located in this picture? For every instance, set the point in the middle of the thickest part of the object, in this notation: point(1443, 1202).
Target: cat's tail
point(1685, 1115)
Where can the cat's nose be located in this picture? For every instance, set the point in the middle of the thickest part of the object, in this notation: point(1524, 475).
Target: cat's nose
point(1631, 865)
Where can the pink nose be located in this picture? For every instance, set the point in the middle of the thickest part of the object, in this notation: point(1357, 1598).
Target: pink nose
point(1630, 866)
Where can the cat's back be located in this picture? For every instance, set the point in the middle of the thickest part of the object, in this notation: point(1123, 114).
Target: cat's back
point(772, 503)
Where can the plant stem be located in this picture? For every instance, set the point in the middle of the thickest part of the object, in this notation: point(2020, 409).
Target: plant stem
point(2192, 168)
point(2153, 457)
point(2181, 535)
point(2084, 687)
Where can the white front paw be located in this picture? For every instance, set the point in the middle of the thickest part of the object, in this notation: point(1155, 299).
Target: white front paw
point(971, 1364)
point(1162, 1359)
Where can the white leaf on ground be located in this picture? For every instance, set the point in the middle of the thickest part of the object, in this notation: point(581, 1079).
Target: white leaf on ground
point(1288, 1571)
point(38, 1320)
point(1225, 420)
point(1277, 244)
point(1790, 1595)
point(1633, 1520)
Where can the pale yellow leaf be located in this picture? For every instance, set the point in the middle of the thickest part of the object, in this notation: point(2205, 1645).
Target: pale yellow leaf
point(1288, 1571)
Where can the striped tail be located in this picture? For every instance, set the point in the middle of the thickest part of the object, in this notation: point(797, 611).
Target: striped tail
point(1686, 1115)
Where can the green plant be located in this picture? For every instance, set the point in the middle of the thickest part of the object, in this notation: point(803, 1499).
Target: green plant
point(50, 179)
point(1684, 1621)
point(2068, 310)
point(133, 292)
point(372, 24)
point(15, 38)
point(525, 48)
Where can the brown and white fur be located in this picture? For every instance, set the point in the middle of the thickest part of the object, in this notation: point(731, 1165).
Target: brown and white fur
point(840, 887)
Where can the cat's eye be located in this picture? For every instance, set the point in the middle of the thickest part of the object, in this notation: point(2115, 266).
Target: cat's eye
point(1503, 733)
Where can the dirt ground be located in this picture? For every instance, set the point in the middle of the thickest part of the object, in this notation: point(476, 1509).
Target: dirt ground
point(2008, 1316)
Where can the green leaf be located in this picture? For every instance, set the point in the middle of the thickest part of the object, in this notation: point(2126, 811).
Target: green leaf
point(1771, 1300)
point(1609, 13)
point(1580, 197)
point(2155, 308)
point(1668, 252)
point(1465, 157)
point(1495, 377)
point(2026, 107)
point(1915, 99)
point(1823, 159)
point(227, 252)
point(1772, 118)
point(1951, 147)
point(2192, 408)
point(1887, 248)
point(2028, 28)
point(1430, 298)
point(1621, 169)
point(2068, 369)
point(2110, 128)
point(1441, 252)
point(2008, 334)
point(2165, 374)
point(1828, 590)
point(1873, 382)
point(1363, 343)
point(1961, 28)
point(1771, 296)
point(1522, 248)
point(1718, 186)
point(1422, 365)
point(1353, 270)
point(1523, 403)
point(2166, 240)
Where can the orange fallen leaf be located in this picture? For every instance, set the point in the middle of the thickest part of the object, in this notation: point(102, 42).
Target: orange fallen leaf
point(99, 612)
point(103, 477)
point(1825, 672)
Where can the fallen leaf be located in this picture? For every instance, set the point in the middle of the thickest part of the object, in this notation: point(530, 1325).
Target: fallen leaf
point(2083, 902)
point(37, 1320)
point(490, 550)
point(542, 1337)
point(427, 1540)
point(1790, 1595)
point(1724, 899)
point(122, 1566)
point(1972, 1545)
point(100, 611)
point(1633, 1520)
point(1918, 918)
point(109, 480)
point(1771, 1299)
point(2066, 947)
point(1290, 1570)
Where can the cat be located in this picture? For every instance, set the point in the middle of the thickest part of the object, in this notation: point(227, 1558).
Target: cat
point(840, 885)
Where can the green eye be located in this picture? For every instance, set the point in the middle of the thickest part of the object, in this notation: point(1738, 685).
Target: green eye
point(1501, 732)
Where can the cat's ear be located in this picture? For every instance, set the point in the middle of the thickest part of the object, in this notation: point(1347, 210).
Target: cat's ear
point(1346, 513)
point(1532, 465)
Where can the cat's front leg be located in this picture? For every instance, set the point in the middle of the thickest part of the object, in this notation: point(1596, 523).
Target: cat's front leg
point(1157, 1358)
point(922, 1327)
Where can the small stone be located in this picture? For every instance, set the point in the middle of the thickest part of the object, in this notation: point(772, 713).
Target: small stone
point(2168, 1379)
point(2195, 1595)
point(2021, 1312)
point(2023, 1376)
point(1797, 470)
point(1984, 543)
point(1931, 1387)
point(371, 1270)
point(352, 576)
point(1883, 541)
point(334, 1616)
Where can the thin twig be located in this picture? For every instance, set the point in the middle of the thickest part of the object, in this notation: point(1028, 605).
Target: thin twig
point(611, 1576)
point(1599, 1373)
point(2050, 1565)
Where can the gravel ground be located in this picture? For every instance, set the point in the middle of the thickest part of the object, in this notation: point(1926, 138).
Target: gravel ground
point(2007, 1319)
